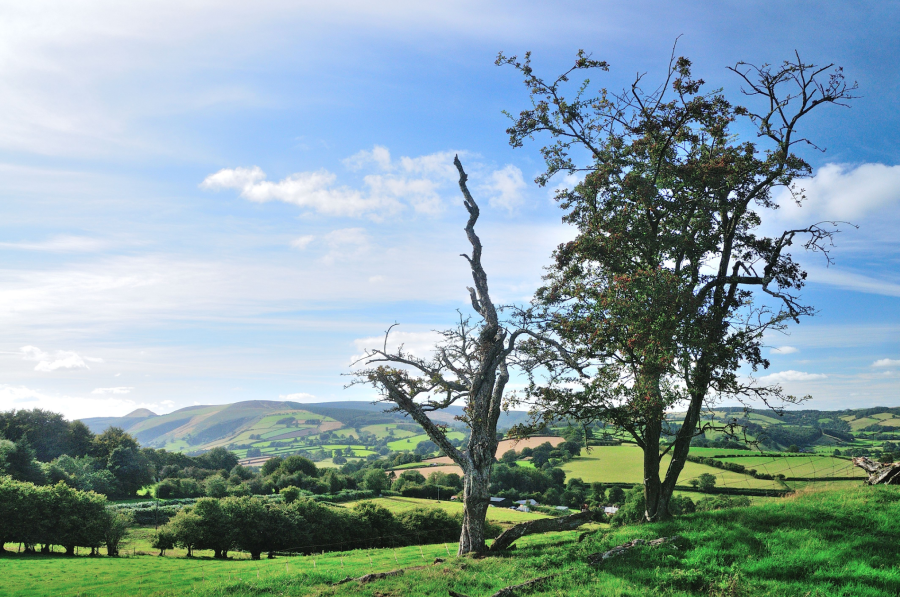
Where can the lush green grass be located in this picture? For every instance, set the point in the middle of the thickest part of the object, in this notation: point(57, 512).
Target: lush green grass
point(624, 464)
point(499, 515)
point(801, 466)
point(381, 431)
point(829, 543)
point(411, 442)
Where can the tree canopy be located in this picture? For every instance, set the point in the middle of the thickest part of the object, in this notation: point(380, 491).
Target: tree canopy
point(671, 282)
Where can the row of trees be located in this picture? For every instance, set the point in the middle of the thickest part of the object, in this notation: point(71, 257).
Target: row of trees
point(40, 517)
point(255, 525)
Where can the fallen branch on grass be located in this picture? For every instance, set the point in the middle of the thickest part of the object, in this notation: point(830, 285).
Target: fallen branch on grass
point(375, 576)
point(879, 473)
point(542, 525)
point(511, 590)
point(598, 558)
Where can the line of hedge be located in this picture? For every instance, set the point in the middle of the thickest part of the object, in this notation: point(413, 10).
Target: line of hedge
point(58, 515)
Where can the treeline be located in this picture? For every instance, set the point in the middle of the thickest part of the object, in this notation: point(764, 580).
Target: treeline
point(40, 517)
point(255, 525)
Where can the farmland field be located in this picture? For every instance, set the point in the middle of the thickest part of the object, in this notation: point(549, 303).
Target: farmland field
point(411, 442)
point(624, 464)
point(802, 466)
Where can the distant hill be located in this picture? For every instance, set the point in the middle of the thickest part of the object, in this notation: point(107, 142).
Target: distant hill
point(271, 426)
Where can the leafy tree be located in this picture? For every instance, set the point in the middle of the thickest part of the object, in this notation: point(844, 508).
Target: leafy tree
point(116, 525)
point(508, 457)
point(250, 524)
point(216, 527)
point(218, 459)
point(376, 480)
point(670, 285)
point(290, 494)
point(185, 527)
point(706, 482)
point(106, 443)
point(299, 464)
point(18, 460)
point(271, 465)
point(130, 468)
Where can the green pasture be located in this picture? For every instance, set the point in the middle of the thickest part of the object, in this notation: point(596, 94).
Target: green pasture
point(624, 464)
point(800, 466)
point(410, 443)
point(498, 515)
point(796, 547)
point(381, 431)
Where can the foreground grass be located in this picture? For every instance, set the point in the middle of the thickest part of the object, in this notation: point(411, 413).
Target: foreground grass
point(840, 542)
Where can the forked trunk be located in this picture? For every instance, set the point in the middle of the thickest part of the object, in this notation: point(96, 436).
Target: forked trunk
point(656, 496)
point(476, 499)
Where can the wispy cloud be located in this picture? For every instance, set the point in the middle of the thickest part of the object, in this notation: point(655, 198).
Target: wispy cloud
point(299, 397)
point(504, 188)
point(784, 350)
point(61, 359)
point(886, 363)
point(118, 390)
point(844, 192)
point(59, 244)
point(791, 375)
point(388, 186)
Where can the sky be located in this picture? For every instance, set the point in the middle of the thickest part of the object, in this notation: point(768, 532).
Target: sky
point(206, 202)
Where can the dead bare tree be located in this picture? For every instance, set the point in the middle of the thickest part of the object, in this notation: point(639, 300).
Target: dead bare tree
point(470, 367)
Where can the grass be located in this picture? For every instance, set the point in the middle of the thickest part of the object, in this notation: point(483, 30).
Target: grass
point(803, 466)
point(499, 515)
point(824, 543)
point(410, 443)
point(623, 464)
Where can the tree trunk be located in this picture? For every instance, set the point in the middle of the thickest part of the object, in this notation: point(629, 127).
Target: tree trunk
point(70, 550)
point(887, 473)
point(255, 555)
point(476, 499)
point(656, 499)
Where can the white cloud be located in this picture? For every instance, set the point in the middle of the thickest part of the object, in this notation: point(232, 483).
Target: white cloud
point(420, 344)
point(301, 242)
point(784, 350)
point(299, 397)
point(834, 276)
point(504, 187)
point(886, 363)
point(844, 192)
point(388, 185)
point(63, 244)
point(72, 407)
point(315, 191)
point(61, 359)
point(376, 279)
point(118, 390)
point(791, 375)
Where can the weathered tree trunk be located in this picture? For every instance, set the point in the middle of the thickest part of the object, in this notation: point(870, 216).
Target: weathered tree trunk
point(255, 555)
point(542, 525)
point(880, 473)
point(70, 550)
point(656, 502)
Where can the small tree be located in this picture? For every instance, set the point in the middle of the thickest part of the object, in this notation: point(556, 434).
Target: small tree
point(706, 482)
point(470, 366)
point(669, 286)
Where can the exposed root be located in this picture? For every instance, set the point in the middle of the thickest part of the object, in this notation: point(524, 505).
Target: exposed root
point(511, 590)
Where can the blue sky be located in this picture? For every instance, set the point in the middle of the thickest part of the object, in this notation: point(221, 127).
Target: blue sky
point(206, 202)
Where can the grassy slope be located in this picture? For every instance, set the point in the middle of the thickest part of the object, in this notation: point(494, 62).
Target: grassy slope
point(823, 543)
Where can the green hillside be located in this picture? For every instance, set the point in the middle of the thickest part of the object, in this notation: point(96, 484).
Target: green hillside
point(825, 543)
